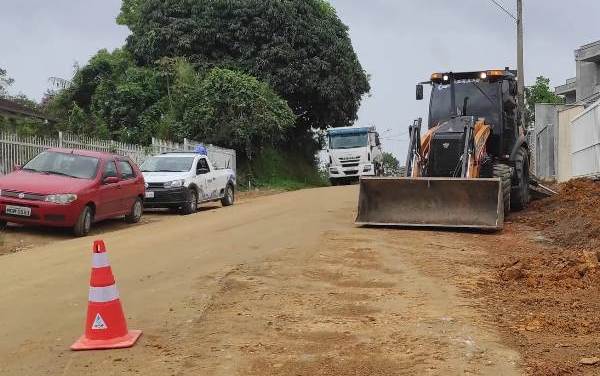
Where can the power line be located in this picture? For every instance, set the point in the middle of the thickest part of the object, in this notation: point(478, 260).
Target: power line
point(505, 10)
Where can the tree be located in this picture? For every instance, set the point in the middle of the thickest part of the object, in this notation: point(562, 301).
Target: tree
point(5, 82)
point(391, 165)
point(236, 110)
point(299, 47)
point(540, 92)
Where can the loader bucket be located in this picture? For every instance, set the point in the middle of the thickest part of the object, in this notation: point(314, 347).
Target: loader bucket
point(431, 202)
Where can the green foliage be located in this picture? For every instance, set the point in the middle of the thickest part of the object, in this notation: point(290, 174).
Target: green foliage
point(391, 165)
point(236, 110)
point(273, 169)
point(300, 48)
point(540, 92)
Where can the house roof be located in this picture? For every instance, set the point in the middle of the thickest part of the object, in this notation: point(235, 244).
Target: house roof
point(15, 108)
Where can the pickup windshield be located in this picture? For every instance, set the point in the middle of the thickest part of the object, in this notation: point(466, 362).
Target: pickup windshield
point(348, 141)
point(167, 164)
point(71, 165)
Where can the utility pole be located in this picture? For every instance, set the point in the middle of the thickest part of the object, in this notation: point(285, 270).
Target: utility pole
point(520, 64)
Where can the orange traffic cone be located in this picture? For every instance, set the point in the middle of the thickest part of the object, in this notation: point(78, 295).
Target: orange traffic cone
point(105, 327)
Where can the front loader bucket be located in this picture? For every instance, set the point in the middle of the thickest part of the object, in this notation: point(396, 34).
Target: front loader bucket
point(431, 202)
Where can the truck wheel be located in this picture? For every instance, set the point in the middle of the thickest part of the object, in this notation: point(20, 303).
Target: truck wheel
point(504, 172)
point(135, 215)
point(192, 206)
point(84, 222)
point(229, 197)
point(519, 198)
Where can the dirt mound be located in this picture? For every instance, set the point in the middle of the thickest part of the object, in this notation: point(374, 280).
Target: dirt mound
point(571, 218)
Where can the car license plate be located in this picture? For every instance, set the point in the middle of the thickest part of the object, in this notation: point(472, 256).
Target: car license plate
point(149, 194)
point(18, 210)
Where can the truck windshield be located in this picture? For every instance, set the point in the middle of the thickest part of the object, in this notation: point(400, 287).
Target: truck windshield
point(65, 164)
point(482, 101)
point(348, 141)
point(167, 164)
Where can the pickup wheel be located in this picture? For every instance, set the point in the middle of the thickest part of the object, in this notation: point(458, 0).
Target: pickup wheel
point(135, 215)
point(192, 206)
point(229, 197)
point(84, 222)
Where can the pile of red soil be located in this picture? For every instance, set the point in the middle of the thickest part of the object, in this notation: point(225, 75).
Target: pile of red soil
point(571, 218)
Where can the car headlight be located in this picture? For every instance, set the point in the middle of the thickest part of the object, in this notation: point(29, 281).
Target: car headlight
point(367, 168)
point(61, 199)
point(333, 170)
point(175, 183)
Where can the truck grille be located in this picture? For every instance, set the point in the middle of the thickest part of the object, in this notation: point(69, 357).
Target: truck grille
point(350, 161)
point(444, 159)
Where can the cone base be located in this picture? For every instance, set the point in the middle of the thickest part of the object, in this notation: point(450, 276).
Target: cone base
point(116, 343)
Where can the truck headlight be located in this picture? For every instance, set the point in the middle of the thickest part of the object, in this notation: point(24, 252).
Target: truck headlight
point(61, 199)
point(333, 170)
point(175, 183)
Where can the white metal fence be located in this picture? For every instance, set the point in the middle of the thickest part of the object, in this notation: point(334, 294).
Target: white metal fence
point(17, 150)
point(585, 142)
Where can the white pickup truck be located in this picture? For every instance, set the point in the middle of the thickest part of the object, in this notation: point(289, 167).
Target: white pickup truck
point(183, 180)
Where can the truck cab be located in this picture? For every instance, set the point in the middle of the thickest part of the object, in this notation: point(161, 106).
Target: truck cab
point(353, 152)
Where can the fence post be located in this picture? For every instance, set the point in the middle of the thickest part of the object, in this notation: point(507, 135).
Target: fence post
point(60, 139)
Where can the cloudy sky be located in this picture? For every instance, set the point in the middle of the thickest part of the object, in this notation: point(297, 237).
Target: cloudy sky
point(399, 42)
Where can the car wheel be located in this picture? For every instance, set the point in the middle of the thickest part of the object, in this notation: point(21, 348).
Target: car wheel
point(229, 197)
point(135, 215)
point(2, 225)
point(192, 206)
point(84, 222)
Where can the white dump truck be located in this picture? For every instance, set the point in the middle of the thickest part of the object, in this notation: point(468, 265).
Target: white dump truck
point(353, 152)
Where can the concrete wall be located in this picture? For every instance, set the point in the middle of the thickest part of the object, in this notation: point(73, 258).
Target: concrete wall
point(585, 142)
point(565, 116)
point(545, 138)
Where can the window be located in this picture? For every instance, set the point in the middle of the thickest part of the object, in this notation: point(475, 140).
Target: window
point(126, 170)
point(64, 164)
point(167, 164)
point(110, 170)
point(203, 165)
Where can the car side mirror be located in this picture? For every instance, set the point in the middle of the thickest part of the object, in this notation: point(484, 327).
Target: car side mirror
point(110, 180)
point(419, 92)
point(203, 171)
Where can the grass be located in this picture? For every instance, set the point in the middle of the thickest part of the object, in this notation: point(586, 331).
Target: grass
point(276, 170)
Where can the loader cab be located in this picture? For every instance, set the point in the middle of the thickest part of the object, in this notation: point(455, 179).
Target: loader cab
point(490, 95)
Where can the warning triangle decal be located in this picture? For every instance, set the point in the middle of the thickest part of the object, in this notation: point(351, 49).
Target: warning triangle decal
point(99, 323)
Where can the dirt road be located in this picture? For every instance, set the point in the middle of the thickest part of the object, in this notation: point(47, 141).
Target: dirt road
point(279, 285)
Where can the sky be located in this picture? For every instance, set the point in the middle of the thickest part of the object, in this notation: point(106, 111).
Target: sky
point(399, 43)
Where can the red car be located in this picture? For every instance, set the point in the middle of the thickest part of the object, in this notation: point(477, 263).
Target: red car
point(72, 188)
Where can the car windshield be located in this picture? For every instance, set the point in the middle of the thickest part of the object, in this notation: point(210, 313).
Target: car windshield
point(168, 164)
point(348, 141)
point(482, 100)
point(65, 164)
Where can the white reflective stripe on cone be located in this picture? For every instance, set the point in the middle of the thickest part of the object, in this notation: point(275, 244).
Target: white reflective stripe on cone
point(103, 294)
point(100, 260)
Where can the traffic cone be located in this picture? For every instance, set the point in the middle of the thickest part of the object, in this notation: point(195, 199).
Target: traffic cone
point(105, 327)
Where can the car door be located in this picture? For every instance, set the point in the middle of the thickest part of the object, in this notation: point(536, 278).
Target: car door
point(202, 176)
point(128, 185)
point(110, 191)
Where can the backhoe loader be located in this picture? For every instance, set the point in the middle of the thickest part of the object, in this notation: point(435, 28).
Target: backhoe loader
point(468, 169)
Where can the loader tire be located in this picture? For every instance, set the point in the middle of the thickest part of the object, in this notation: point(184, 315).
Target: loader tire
point(504, 172)
point(519, 198)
